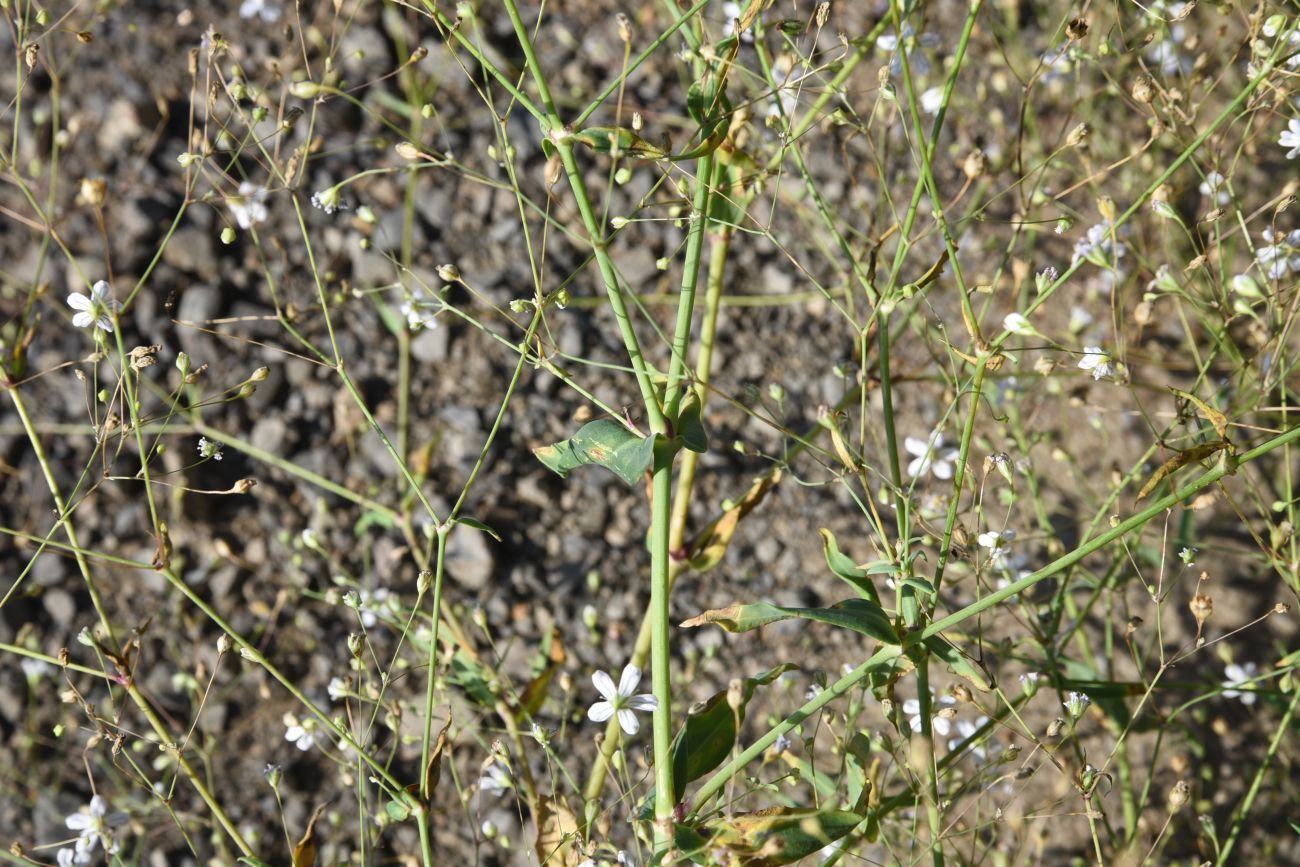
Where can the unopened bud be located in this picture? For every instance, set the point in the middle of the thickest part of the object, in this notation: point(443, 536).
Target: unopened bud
point(1078, 135)
point(407, 151)
point(306, 89)
point(624, 28)
point(260, 374)
point(449, 272)
point(975, 164)
point(962, 693)
point(225, 644)
point(355, 644)
point(736, 694)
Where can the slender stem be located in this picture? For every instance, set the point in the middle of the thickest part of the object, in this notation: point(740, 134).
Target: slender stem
point(1243, 809)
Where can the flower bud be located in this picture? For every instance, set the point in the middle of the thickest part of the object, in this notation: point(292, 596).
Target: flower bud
point(224, 644)
point(449, 272)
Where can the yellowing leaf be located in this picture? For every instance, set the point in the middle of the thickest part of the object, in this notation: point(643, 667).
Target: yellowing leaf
point(304, 851)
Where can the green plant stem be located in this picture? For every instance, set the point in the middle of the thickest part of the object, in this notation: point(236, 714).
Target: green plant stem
point(1243, 810)
point(1226, 466)
point(83, 565)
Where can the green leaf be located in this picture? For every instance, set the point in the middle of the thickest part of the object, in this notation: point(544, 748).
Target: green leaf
point(781, 835)
point(859, 615)
point(690, 425)
point(603, 442)
point(960, 664)
point(707, 737)
point(607, 140)
point(479, 525)
point(473, 678)
point(846, 569)
point(371, 518)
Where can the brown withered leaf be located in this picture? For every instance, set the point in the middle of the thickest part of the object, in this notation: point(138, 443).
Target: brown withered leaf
point(304, 851)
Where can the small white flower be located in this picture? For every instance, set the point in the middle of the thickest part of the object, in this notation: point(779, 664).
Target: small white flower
point(909, 43)
point(998, 544)
point(1290, 138)
point(931, 100)
point(35, 669)
point(495, 779)
point(930, 456)
point(73, 857)
point(1076, 703)
point(337, 689)
point(1029, 678)
point(97, 309)
point(966, 730)
point(1018, 323)
point(94, 826)
point(1215, 186)
point(249, 206)
point(620, 700)
point(209, 449)
point(301, 734)
point(419, 311)
point(1098, 361)
point(1238, 675)
point(369, 603)
point(940, 725)
point(329, 200)
point(269, 12)
point(1099, 246)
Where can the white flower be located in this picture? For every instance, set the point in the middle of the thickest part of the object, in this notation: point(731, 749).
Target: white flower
point(1238, 675)
point(329, 200)
point(495, 779)
point(930, 456)
point(909, 43)
point(1018, 323)
point(620, 700)
point(1290, 138)
point(1098, 361)
point(966, 730)
point(1076, 703)
point(248, 207)
point(301, 734)
point(1099, 246)
point(269, 12)
point(337, 689)
point(369, 603)
point(209, 449)
point(940, 725)
point(998, 543)
point(1029, 678)
point(1215, 187)
point(35, 669)
point(420, 312)
point(931, 99)
point(73, 857)
point(97, 309)
point(94, 826)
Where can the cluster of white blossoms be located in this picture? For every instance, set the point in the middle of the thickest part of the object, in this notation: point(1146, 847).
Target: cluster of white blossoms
point(95, 826)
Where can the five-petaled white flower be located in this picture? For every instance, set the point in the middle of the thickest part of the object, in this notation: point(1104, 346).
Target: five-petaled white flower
point(249, 206)
point(268, 11)
point(621, 700)
point(94, 826)
point(337, 689)
point(97, 309)
point(1098, 361)
point(966, 730)
point(939, 724)
point(930, 456)
point(998, 544)
point(495, 779)
point(909, 43)
point(1215, 186)
point(1238, 675)
point(1290, 138)
point(301, 734)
